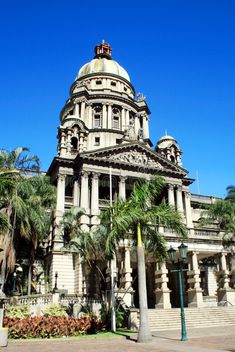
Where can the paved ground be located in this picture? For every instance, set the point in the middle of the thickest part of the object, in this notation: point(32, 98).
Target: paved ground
point(199, 340)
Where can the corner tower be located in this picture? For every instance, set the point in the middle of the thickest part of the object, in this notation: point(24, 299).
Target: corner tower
point(102, 110)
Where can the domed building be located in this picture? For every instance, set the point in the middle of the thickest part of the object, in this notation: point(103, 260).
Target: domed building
point(103, 148)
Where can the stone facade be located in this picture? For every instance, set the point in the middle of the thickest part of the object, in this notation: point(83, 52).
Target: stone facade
point(104, 130)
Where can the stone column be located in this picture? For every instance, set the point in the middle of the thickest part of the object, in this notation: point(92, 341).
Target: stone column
point(171, 196)
point(122, 187)
point(94, 198)
point(76, 109)
point(69, 141)
point(232, 262)
point(89, 119)
point(225, 294)
point(60, 192)
point(85, 199)
point(127, 117)
point(127, 292)
point(195, 298)
point(137, 125)
point(104, 116)
point(109, 122)
point(162, 291)
point(188, 212)
point(179, 199)
point(146, 126)
point(62, 147)
point(59, 210)
point(83, 110)
point(123, 117)
point(76, 194)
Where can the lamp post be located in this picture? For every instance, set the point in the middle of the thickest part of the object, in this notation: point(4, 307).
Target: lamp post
point(55, 289)
point(183, 249)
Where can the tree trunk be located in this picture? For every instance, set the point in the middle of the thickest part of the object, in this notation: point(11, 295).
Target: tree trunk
point(144, 334)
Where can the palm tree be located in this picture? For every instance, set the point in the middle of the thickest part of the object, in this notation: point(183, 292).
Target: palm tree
point(88, 244)
point(222, 213)
point(23, 202)
point(138, 219)
point(35, 202)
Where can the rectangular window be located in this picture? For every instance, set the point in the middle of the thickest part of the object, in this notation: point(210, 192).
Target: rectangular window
point(98, 82)
point(97, 140)
point(113, 84)
point(97, 121)
point(116, 122)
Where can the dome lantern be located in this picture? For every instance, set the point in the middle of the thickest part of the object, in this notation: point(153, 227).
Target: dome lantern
point(103, 50)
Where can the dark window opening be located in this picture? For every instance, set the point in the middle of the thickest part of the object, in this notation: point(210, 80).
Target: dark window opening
point(74, 143)
point(69, 186)
point(125, 89)
point(97, 140)
point(172, 158)
point(113, 84)
point(98, 82)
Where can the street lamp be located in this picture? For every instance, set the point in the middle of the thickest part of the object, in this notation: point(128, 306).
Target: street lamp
point(183, 249)
point(55, 289)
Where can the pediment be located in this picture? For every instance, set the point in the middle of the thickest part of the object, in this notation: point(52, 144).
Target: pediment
point(134, 155)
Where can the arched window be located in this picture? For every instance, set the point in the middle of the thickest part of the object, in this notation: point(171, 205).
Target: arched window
point(74, 143)
point(97, 116)
point(116, 118)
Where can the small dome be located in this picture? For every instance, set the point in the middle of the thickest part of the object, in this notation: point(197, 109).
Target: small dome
point(166, 138)
point(165, 141)
point(103, 63)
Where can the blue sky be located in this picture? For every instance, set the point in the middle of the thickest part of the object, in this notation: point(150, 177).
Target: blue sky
point(179, 54)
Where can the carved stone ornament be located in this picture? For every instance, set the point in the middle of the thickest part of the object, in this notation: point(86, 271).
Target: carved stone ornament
point(135, 157)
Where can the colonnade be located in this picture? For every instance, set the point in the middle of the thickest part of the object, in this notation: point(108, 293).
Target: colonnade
point(180, 200)
point(128, 117)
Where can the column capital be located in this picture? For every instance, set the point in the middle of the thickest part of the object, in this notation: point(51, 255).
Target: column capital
point(85, 173)
point(95, 175)
point(170, 186)
point(187, 194)
point(122, 178)
point(179, 188)
point(61, 177)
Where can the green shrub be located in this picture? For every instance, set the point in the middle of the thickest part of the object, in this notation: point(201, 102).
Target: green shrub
point(120, 314)
point(55, 310)
point(46, 327)
point(17, 311)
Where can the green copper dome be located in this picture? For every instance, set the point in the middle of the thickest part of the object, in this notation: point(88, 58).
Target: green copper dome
point(103, 63)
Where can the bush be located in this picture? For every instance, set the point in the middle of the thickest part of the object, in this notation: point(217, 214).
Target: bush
point(55, 310)
point(120, 315)
point(17, 311)
point(46, 327)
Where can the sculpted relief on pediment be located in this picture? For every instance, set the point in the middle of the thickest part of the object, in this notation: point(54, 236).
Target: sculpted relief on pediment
point(135, 157)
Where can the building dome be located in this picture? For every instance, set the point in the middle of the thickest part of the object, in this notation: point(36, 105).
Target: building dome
point(165, 141)
point(103, 63)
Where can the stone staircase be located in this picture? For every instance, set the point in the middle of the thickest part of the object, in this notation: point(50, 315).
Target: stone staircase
point(169, 319)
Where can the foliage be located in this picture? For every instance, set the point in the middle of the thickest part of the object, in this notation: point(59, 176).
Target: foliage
point(17, 311)
point(89, 245)
point(120, 314)
point(25, 206)
point(55, 310)
point(139, 218)
point(47, 327)
point(221, 213)
point(122, 219)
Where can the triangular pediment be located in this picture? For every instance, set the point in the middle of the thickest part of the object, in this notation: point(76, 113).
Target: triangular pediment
point(134, 155)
